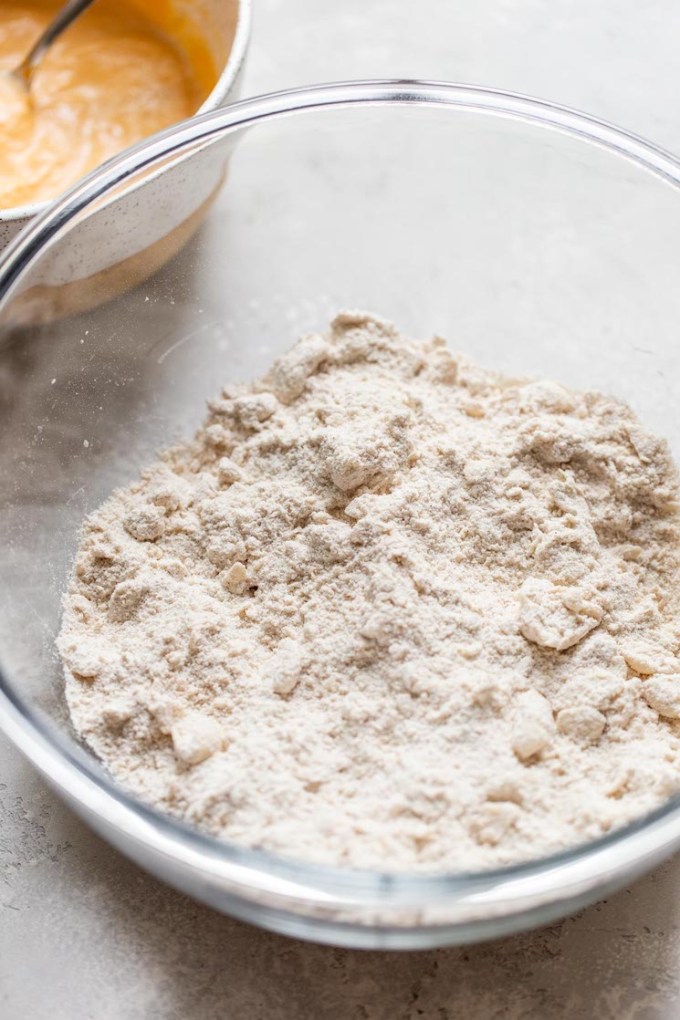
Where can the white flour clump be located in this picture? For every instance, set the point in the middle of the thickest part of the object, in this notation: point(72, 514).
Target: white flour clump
point(388, 609)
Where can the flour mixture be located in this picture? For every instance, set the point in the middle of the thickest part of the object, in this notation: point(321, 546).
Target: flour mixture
point(389, 610)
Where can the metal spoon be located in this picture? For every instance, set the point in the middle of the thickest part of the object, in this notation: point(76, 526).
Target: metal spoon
point(68, 13)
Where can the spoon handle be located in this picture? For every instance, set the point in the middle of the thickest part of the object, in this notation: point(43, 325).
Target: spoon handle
point(68, 13)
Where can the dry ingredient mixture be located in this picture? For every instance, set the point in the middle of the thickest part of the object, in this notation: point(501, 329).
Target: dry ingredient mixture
point(388, 609)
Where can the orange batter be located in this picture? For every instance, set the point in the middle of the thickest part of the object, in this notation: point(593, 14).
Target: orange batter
point(111, 79)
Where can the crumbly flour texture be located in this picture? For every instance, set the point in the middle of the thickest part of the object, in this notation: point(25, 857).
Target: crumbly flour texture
point(388, 609)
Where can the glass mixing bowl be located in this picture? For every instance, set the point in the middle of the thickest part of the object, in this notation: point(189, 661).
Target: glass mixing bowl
point(538, 240)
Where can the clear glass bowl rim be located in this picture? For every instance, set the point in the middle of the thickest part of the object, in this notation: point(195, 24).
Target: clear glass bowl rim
point(82, 780)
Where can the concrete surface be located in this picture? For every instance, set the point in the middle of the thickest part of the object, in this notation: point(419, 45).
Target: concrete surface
point(86, 936)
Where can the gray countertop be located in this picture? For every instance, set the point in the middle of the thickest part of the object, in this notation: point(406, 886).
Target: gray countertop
point(83, 933)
